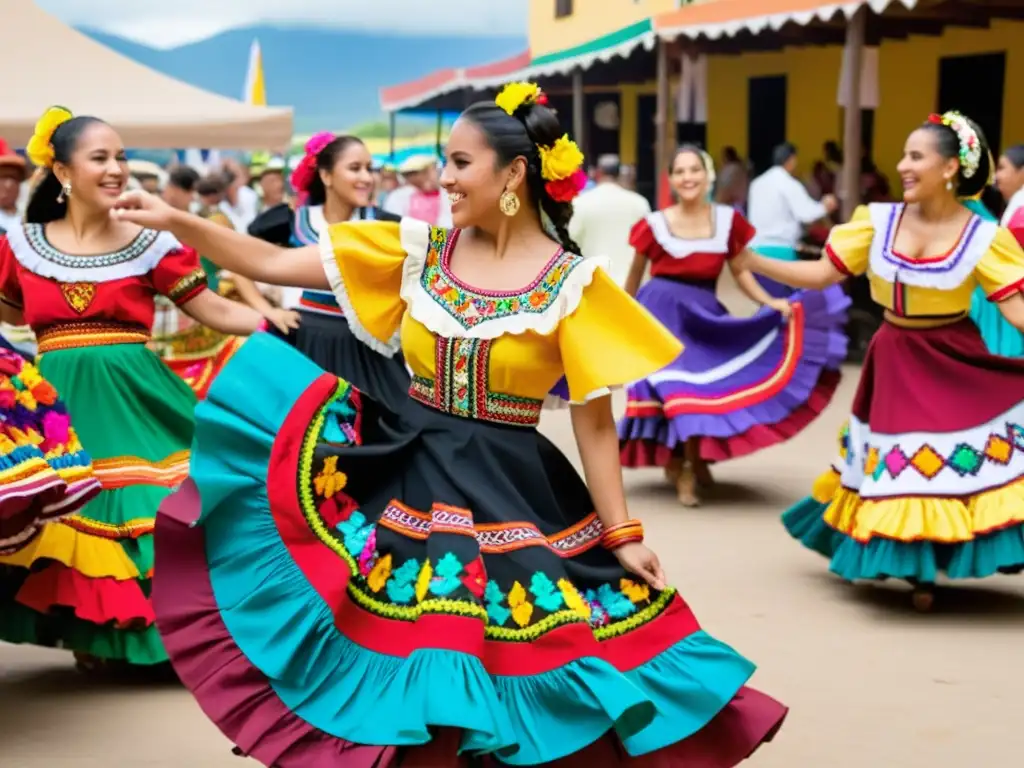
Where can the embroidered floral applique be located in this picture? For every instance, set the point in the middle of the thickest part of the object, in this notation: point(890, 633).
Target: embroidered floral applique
point(78, 295)
point(471, 307)
point(331, 479)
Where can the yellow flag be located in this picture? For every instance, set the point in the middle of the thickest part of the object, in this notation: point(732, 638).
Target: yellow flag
point(255, 88)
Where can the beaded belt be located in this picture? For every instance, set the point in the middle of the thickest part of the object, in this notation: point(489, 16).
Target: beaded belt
point(320, 302)
point(75, 335)
point(469, 403)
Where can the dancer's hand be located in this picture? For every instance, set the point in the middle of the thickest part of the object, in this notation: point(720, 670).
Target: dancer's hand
point(782, 306)
point(283, 319)
point(640, 561)
point(144, 209)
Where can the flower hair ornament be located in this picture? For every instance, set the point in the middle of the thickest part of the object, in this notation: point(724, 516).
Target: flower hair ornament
point(970, 142)
point(305, 171)
point(561, 163)
point(40, 146)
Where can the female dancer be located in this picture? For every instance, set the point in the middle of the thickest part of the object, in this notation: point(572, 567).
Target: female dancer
point(86, 285)
point(743, 383)
point(930, 477)
point(999, 335)
point(334, 183)
point(445, 567)
point(44, 472)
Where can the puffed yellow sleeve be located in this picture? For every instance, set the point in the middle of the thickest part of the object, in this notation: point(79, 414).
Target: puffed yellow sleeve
point(610, 340)
point(849, 245)
point(365, 262)
point(1000, 272)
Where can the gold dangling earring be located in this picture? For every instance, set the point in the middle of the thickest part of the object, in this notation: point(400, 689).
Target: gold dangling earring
point(509, 203)
point(65, 192)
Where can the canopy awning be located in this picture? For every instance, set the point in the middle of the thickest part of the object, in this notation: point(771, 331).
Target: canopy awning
point(726, 18)
point(619, 44)
point(412, 94)
point(54, 64)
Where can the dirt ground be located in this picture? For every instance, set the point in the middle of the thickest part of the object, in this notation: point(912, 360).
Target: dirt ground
point(871, 684)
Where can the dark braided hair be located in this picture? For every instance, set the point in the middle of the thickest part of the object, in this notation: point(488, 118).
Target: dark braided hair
point(948, 145)
point(43, 206)
point(325, 161)
point(520, 135)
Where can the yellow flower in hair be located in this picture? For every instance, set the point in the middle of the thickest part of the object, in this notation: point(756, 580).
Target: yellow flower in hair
point(40, 149)
point(514, 95)
point(561, 160)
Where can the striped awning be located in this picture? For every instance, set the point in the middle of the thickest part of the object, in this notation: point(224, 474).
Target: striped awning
point(411, 94)
point(725, 18)
point(622, 42)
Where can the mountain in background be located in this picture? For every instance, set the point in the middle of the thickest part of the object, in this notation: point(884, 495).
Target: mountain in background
point(330, 78)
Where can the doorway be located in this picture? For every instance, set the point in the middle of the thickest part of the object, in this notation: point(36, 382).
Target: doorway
point(766, 119)
point(974, 85)
point(646, 140)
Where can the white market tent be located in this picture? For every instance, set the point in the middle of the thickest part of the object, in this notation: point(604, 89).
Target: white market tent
point(47, 63)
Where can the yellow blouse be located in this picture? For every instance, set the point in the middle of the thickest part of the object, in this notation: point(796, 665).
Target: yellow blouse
point(985, 255)
point(489, 355)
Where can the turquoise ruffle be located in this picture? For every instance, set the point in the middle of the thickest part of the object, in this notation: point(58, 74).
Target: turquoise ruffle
point(286, 630)
point(1000, 336)
point(805, 522)
point(922, 561)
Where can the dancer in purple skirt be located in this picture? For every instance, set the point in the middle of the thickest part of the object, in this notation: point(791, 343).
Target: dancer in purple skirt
point(742, 383)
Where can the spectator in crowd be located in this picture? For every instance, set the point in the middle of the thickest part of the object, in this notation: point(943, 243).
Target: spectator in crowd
point(603, 217)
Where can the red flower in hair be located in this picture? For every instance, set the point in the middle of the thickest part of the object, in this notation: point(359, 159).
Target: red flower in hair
point(565, 190)
point(935, 119)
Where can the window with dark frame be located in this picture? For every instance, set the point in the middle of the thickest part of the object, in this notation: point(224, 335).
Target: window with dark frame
point(563, 8)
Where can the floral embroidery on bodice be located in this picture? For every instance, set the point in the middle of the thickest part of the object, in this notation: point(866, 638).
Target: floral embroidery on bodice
point(470, 306)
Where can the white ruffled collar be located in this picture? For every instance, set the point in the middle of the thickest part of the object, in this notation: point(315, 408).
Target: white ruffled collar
point(943, 272)
point(446, 306)
point(680, 248)
point(36, 254)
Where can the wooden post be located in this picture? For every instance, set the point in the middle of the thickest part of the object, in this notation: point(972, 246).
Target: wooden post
point(853, 57)
point(391, 136)
point(439, 131)
point(579, 109)
point(662, 146)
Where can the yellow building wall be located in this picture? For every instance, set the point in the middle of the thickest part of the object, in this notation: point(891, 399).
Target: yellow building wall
point(908, 90)
point(590, 19)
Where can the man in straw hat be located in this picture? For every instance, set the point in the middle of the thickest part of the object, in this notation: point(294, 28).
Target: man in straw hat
point(421, 197)
point(13, 172)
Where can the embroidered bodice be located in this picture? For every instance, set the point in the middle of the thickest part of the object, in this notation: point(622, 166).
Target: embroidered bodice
point(53, 288)
point(985, 255)
point(486, 354)
point(686, 258)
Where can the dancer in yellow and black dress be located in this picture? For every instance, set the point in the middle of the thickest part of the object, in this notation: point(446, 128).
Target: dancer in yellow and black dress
point(439, 586)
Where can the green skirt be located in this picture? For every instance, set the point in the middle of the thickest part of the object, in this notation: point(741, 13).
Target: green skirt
point(84, 583)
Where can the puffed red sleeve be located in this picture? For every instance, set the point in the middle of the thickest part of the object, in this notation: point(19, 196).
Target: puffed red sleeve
point(641, 237)
point(740, 234)
point(179, 276)
point(10, 289)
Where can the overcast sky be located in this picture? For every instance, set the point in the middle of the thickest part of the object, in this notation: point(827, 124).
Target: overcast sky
point(169, 23)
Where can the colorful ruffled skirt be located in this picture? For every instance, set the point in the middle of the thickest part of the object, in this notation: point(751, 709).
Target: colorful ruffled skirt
point(419, 589)
point(83, 583)
point(930, 474)
point(44, 472)
point(741, 383)
point(197, 354)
